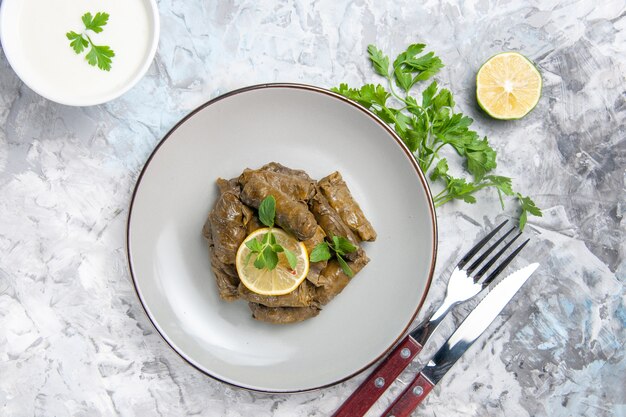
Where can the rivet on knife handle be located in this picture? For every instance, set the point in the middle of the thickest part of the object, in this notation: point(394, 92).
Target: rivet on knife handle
point(377, 383)
point(410, 398)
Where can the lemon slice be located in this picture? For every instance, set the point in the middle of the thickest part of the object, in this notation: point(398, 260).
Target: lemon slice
point(280, 280)
point(508, 86)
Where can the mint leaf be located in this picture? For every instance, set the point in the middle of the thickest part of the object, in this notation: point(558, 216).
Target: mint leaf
point(247, 260)
point(321, 252)
point(271, 258)
point(291, 258)
point(267, 211)
point(344, 266)
point(254, 245)
point(259, 262)
point(343, 246)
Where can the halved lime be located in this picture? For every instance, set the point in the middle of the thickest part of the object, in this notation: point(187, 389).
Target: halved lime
point(508, 86)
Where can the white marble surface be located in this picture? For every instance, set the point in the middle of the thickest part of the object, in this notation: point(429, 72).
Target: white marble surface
point(74, 340)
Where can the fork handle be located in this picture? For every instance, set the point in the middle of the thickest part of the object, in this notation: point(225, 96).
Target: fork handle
point(410, 398)
point(377, 383)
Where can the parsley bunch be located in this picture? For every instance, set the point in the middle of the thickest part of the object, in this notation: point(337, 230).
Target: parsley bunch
point(98, 54)
point(428, 123)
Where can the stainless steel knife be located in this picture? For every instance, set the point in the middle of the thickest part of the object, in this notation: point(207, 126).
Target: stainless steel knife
point(467, 333)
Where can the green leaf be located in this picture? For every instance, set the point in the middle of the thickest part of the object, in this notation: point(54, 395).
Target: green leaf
point(408, 68)
point(428, 94)
point(379, 60)
point(404, 79)
point(277, 248)
point(374, 94)
point(247, 260)
point(501, 183)
point(321, 252)
point(427, 128)
point(254, 245)
point(291, 258)
point(351, 93)
point(265, 240)
point(343, 246)
point(78, 43)
point(259, 262)
point(522, 219)
point(271, 258)
point(528, 206)
point(87, 18)
point(440, 170)
point(344, 266)
point(101, 56)
point(96, 22)
point(267, 211)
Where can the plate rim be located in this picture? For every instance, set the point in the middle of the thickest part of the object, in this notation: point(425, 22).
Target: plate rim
point(318, 90)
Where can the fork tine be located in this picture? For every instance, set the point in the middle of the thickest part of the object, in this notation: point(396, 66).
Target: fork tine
point(494, 258)
point(504, 263)
point(479, 245)
point(486, 253)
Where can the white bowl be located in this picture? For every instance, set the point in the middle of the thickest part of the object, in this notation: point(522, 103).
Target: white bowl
point(60, 81)
point(301, 127)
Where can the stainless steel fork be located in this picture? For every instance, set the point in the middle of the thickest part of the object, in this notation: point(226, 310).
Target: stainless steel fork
point(466, 281)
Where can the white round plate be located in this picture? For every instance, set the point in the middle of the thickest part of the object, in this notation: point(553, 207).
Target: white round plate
point(301, 127)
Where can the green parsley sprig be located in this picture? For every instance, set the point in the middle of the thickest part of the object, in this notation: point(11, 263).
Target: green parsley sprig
point(340, 246)
point(99, 55)
point(267, 249)
point(428, 123)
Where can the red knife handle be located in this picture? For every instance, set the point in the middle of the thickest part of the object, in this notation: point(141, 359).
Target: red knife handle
point(410, 398)
point(377, 383)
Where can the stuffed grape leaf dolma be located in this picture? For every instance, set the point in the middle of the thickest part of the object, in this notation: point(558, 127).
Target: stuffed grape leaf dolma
point(330, 222)
point(333, 280)
point(303, 296)
point(340, 198)
point(224, 230)
point(276, 167)
point(298, 188)
point(291, 215)
point(282, 315)
point(228, 221)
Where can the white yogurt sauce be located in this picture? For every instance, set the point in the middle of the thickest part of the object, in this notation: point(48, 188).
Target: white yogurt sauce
point(50, 66)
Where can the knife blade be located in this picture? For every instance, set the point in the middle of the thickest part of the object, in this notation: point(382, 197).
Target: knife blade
point(456, 345)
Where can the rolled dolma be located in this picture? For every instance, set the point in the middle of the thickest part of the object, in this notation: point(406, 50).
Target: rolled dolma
point(295, 187)
point(226, 278)
point(282, 315)
point(303, 296)
point(276, 167)
point(228, 221)
point(330, 222)
point(339, 197)
point(254, 224)
point(333, 280)
point(291, 215)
